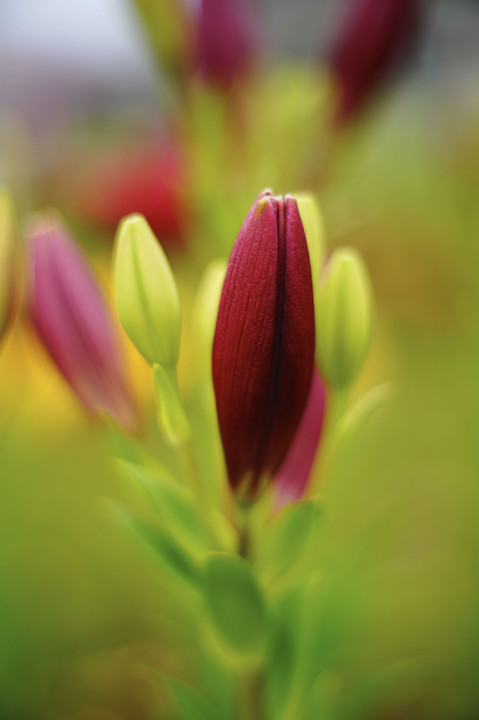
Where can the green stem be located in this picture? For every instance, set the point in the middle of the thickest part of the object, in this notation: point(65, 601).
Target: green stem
point(251, 697)
point(186, 453)
point(251, 679)
point(244, 531)
point(338, 400)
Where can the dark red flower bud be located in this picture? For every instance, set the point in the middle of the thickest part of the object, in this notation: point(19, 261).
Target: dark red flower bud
point(225, 41)
point(375, 37)
point(263, 352)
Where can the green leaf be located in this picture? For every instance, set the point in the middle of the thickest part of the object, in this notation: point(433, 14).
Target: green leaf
point(236, 605)
point(286, 611)
point(171, 416)
point(286, 540)
point(173, 555)
point(120, 443)
point(358, 415)
point(193, 705)
point(173, 503)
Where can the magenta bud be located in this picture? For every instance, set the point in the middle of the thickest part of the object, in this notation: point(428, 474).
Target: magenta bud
point(263, 351)
point(293, 475)
point(74, 324)
point(376, 36)
point(225, 41)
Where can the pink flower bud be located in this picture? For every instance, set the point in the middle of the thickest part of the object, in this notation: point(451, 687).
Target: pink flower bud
point(375, 37)
point(73, 322)
point(225, 41)
point(263, 350)
point(293, 475)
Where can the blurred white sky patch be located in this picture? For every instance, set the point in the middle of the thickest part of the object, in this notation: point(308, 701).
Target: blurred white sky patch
point(98, 36)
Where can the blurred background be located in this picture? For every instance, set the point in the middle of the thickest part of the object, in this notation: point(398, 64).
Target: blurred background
point(111, 107)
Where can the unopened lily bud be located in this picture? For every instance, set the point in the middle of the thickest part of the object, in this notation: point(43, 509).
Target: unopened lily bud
point(263, 350)
point(7, 262)
point(146, 294)
point(376, 37)
point(344, 315)
point(225, 41)
point(74, 324)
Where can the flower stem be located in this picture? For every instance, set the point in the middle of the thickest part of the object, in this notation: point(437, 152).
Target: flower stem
point(244, 531)
point(251, 697)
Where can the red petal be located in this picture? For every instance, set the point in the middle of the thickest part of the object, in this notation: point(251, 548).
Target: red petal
point(293, 475)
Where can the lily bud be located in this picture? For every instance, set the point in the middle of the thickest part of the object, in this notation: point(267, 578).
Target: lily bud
point(225, 41)
point(146, 293)
point(344, 317)
point(263, 350)
point(314, 230)
point(7, 262)
point(375, 38)
point(204, 312)
point(293, 475)
point(74, 324)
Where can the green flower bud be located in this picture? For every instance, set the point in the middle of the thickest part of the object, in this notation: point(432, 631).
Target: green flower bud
point(343, 317)
point(204, 313)
point(314, 231)
point(146, 293)
point(7, 262)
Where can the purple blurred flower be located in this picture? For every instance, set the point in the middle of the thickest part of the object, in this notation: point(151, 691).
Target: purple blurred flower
point(293, 474)
point(225, 41)
point(375, 37)
point(74, 324)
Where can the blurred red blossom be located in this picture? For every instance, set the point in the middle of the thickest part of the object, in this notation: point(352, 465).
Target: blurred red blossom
point(375, 37)
point(148, 178)
point(225, 41)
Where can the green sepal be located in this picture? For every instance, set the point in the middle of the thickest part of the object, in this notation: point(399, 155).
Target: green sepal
point(236, 606)
point(172, 419)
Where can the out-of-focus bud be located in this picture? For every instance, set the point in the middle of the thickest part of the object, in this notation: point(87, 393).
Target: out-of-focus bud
point(344, 315)
point(7, 262)
point(225, 41)
point(376, 36)
point(263, 350)
point(314, 231)
point(74, 324)
point(146, 294)
point(204, 313)
point(293, 475)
